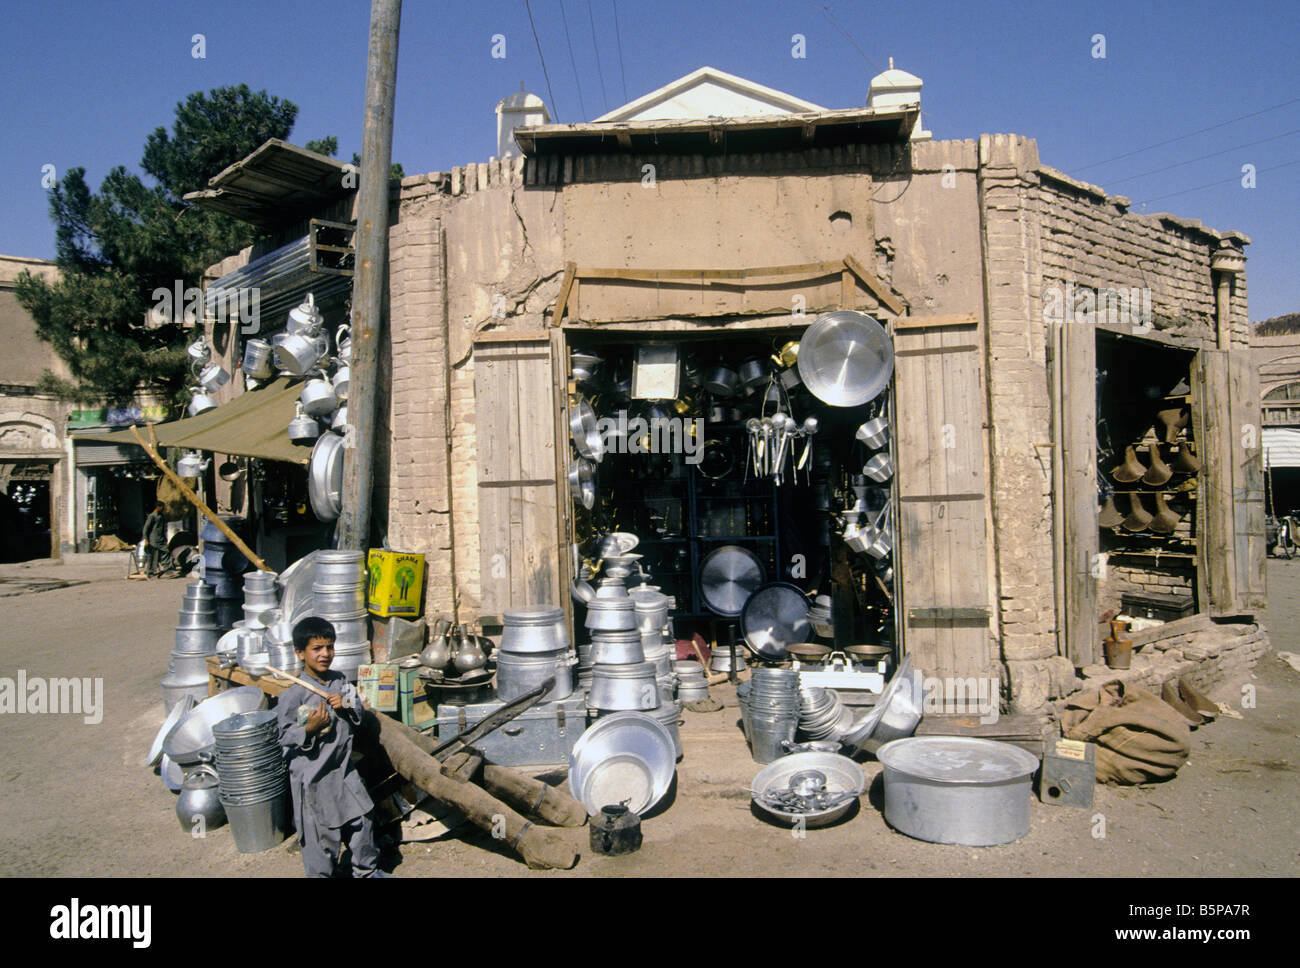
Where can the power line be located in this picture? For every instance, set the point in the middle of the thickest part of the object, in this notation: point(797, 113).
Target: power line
point(549, 93)
point(1223, 181)
point(600, 71)
point(573, 61)
point(1184, 137)
point(619, 37)
point(1213, 154)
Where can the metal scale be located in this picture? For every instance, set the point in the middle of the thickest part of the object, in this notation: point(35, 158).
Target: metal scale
point(841, 671)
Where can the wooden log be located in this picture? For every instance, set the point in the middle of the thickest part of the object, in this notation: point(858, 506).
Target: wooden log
point(530, 795)
point(194, 499)
point(539, 848)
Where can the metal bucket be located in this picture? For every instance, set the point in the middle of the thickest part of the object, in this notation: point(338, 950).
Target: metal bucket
point(624, 687)
point(258, 826)
point(339, 600)
point(536, 630)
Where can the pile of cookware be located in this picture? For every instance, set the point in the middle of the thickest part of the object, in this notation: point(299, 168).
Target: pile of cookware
point(261, 595)
point(186, 741)
point(812, 789)
point(770, 707)
point(339, 597)
point(534, 647)
point(196, 639)
point(692, 682)
point(626, 758)
point(223, 568)
point(253, 778)
point(1170, 455)
point(822, 714)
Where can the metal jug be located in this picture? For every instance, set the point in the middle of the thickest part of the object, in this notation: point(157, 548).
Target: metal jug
point(305, 317)
point(212, 377)
point(299, 352)
point(317, 398)
point(437, 654)
point(302, 427)
point(615, 830)
point(469, 654)
point(198, 807)
point(257, 359)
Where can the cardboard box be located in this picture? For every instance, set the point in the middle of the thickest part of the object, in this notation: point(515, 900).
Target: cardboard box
point(419, 711)
point(377, 683)
point(396, 583)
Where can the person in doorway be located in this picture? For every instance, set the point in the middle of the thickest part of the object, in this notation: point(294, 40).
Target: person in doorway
point(155, 537)
point(330, 804)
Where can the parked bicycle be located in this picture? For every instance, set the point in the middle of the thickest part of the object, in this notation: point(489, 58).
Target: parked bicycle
point(1280, 535)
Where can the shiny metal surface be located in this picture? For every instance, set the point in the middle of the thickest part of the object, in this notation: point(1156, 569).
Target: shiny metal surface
point(728, 576)
point(775, 616)
point(958, 789)
point(586, 431)
point(174, 716)
point(325, 477)
point(191, 740)
point(807, 774)
point(895, 715)
point(582, 482)
point(845, 358)
point(624, 757)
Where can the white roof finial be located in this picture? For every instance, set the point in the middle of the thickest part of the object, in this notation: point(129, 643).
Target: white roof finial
point(891, 63)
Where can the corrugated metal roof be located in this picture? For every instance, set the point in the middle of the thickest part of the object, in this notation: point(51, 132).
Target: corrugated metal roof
point(277, 184)
point(1281, 447)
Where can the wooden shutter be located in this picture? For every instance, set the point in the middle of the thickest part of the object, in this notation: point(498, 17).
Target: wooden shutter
point(939, 420)
point(1078, 492)
point(1230, 545)
point(517, 488)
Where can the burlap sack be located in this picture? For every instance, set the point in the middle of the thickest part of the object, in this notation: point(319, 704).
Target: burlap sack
point(175, 504)
point(1139, 737)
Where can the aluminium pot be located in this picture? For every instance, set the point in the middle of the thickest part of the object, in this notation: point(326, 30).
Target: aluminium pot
point(198, 807)
point(722, 382)
point(611, 614)
point(519, 673)
point(212, 377)
point(753, 374)
point(257, 360)
point(198, 352)
point(303, 428)
point(540, 629)
point(616, 648)
point(585, 430)
point(318, 398)
point(299, 352)
point(616, 688)
point(958, 789)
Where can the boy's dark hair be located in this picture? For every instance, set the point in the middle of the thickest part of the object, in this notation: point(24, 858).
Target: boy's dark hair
point(311, 628)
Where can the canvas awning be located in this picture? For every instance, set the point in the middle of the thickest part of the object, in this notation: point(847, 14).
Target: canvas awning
point(254, 424)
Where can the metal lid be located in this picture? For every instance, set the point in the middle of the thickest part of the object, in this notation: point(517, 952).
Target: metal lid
point(728, 576)
point(529, 617)
point(775, 616)
point(958, 759)
point(845, 358)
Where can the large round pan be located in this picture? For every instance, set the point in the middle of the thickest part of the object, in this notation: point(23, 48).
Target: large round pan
point(582, 482)
point(586, 431)
point(845, 358)
point(728, 576)
point(775, 616)
point(325, 477)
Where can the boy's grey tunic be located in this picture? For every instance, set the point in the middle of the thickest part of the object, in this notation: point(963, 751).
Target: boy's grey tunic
point(327, 791)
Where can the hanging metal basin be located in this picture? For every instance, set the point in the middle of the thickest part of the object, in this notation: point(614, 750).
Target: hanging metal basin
point(586, 431)
point(775, 616)
point(846, 358)
point(874, 433)
point(582, 482)
point(880, 468)
point(325, 477)
point(728, 576)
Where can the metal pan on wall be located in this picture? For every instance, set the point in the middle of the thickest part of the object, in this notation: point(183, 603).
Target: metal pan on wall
point(582, 482)
point(775, 616)
point(728, 576)
point(846, 358)
point(585, 430)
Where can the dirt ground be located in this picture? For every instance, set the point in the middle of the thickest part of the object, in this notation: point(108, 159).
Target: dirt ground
point(76, 799)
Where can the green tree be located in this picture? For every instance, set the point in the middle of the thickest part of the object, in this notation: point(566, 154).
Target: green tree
point(329, 145)
point(115, 247)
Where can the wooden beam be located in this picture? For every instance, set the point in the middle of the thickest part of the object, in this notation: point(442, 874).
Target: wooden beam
point(947, 322)
point(846, 289)
point(512, 336)
point(665, 275)
point(878, 288)
point(194, 499)
point(561, 304)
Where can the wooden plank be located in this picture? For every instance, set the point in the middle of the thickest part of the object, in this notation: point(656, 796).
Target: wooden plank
point(494, 401)
point(566, 286)
point(1247, 482)
point(873, 282)
point(1079, 493)
point(846, 289)
point(1216, 547)
point(689, 275)
point(946, 321)
point(512, 336)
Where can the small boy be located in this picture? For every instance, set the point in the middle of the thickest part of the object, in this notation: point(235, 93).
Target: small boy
point(330, 805)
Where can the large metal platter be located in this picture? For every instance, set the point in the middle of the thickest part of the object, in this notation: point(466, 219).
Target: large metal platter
point(846, 358)
point(178, 711)
point(728, 576)
point(894, 716)
point(627, 757)
point(775, 616)
point(325, 477)
point(586, 430)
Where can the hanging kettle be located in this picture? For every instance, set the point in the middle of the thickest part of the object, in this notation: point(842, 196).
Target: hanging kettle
point(199, 352)
point(299, 352)
point(257, 359)
point(317, 398)
point(212, 377)
point(343, 340)
point(200, 402)
point(191, 464)
point(305, 318)
point(302, 428)
point(342, 377)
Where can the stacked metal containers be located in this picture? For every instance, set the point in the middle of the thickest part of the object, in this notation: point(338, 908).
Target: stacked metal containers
point(196, 639)
point(254, 779)
point(822, 715)
point(261, 595)
point(534, 647)
point(651, 607)
point(770, 711)
point(223, 564)
point(621, 678)
point(339, 593)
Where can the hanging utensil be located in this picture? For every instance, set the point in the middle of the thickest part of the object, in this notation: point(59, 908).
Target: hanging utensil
point(582, 484)
point(585, 430)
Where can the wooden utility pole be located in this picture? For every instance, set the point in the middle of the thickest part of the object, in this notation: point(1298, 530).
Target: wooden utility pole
point(368, 283)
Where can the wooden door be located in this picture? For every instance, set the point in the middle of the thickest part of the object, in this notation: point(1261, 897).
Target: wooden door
point(517, 487)
point(939, 420)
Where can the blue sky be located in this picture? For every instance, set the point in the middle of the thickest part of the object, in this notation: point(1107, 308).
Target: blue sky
point(85, 82)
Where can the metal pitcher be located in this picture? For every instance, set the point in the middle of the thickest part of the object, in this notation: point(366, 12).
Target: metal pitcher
point(257, 359)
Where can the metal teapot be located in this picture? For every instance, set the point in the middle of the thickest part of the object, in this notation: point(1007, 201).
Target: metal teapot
point(470, 656)
point(212, 377)
point(200, 402)
point(305, 318)
point(199, 351)
point(318, 398)
point(302, 427)
point(192, 464)
point(437, 654)
point(343, 340)
point(199, 801)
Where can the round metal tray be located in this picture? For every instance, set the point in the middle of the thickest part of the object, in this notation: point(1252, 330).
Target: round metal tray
point(841, 774)
point(775, 616)
point(728, 576)
point(845, 358)
point(626, 756)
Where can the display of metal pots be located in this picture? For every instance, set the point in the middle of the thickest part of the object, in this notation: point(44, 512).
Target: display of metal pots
point(846, 358)
point(317, 398)
point(303, 428)
point(198, 807)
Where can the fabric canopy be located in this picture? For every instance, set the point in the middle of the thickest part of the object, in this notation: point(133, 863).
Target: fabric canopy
point(254, 424)
point(1281, 447)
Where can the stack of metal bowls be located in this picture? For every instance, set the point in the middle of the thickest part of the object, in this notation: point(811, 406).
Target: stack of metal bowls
point(339, 594)
point(254, 779)
point(534, 647)
point(282, 656)
point(692, 683)
point(196, 639)
point(223, 564)
point(250, 650)
point(261, 595)
point(770, 707)
point(822, 715)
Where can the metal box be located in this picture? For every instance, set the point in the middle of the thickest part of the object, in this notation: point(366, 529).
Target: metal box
point(418, 710)
point(1069, 774)
point(541, 736)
